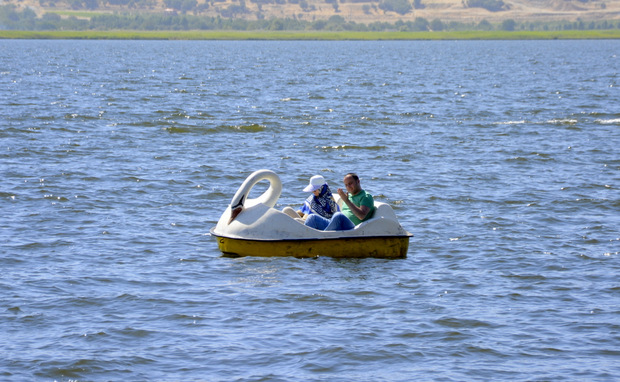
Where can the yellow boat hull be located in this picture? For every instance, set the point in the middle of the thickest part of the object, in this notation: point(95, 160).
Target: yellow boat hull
point(358, 247)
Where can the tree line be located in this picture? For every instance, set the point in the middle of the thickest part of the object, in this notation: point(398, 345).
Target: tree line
point(12, 18)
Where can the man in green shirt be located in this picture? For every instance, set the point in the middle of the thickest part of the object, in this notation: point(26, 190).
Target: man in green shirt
point(358, 206)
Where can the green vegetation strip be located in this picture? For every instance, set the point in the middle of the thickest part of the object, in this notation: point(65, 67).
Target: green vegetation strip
point(309, 35)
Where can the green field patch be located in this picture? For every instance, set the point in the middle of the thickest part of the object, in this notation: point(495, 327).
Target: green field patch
point(309, 35)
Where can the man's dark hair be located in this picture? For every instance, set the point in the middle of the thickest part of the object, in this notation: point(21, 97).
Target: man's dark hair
point(354, 175)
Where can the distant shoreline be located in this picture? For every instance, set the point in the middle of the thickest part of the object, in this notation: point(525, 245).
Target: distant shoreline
point(310, 35)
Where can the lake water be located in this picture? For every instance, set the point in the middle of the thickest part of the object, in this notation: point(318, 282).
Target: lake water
point(501, 157)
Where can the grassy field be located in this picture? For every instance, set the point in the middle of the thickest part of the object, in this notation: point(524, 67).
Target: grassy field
point(308, 35)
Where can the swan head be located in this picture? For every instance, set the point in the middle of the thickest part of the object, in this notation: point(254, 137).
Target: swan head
point(269, 198)
point(236, 209)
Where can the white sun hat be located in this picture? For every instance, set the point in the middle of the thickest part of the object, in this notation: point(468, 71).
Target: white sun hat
point(316, 182)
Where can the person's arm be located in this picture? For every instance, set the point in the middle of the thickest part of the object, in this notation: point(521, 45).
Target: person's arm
point(305, 210)
point(360, 212)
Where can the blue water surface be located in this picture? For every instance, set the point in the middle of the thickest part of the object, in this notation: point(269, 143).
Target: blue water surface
point(501, 157)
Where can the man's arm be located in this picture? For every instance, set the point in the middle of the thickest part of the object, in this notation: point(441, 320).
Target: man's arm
point(360, 212)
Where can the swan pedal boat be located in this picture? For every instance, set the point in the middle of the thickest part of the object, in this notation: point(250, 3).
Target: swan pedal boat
point(253, 227)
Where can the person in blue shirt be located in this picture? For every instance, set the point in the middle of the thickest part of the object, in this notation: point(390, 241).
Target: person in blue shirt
point(321, 201)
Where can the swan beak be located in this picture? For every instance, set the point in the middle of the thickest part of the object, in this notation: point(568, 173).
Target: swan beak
point(234, 213)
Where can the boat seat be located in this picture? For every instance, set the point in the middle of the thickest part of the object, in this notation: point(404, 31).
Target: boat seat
point(338, 200)
point(383, 210)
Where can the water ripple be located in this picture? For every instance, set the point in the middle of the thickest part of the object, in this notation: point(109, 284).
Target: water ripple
point(507, 176)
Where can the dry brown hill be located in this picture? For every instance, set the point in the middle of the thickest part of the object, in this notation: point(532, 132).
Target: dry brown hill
point(360, 11)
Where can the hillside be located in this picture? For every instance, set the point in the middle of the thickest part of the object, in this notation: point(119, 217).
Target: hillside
point(359, 11)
